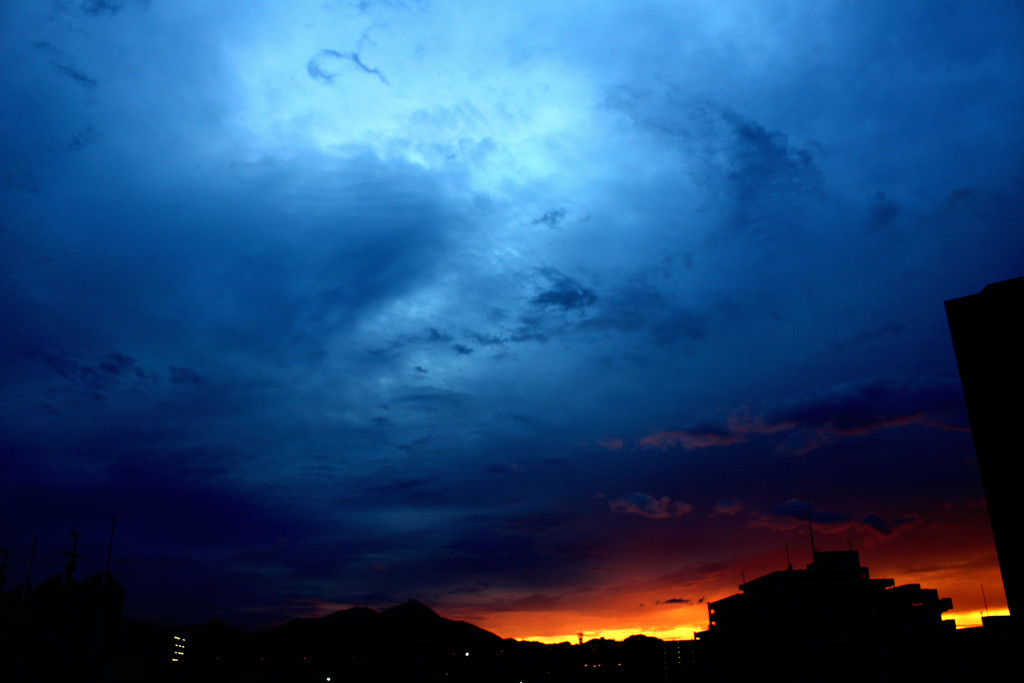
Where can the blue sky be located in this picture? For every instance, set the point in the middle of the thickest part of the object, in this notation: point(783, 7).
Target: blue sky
point(541, 313)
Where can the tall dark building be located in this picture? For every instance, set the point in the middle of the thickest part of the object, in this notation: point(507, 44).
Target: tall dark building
point(829, 622)
point(988, 338)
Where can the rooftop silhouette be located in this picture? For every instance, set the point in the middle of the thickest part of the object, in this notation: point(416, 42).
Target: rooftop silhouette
point(830, 621)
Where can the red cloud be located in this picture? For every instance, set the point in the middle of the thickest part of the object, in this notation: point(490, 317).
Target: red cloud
point(689, 440)
point(643, 504)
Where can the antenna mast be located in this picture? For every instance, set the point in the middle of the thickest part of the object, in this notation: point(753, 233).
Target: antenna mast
point(810, 528)
point(110, 549)
point(73, 554)
point(31, 559)
point(3, 566)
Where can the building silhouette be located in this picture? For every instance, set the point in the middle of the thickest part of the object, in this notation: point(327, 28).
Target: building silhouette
point(832, 622)
point(989, 345)
point(60, 627)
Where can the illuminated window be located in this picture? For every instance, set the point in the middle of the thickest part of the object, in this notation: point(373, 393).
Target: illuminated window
point(177, 649)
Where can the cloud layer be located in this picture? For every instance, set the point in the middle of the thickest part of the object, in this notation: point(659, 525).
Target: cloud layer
point(341, 303)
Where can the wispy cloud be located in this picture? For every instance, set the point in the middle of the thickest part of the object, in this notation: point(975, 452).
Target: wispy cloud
point(323, 66)
point(648, 506)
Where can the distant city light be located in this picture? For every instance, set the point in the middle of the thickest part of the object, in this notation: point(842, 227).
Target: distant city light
point(177, 648)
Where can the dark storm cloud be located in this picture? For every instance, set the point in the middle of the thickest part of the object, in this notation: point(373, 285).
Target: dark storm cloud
point(813, 420)
point(98, 8)
point(400, 343)
point(863, 406)
point(563, 292)
point(435, 336)
point(263, 298)
point(638, 306)
point(109, 370)
point(79, 77)
point(798, 509)
point(631, 308)
point(761, 171)
point(81, 139)
point(550, 218)
point(353, 344)
point(271, 295)
point(522, 335)
point(886, 528)
point(768, 176)
point(64, 64)
point(675, 601)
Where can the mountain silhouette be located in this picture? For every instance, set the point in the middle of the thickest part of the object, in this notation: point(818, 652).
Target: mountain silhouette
point(413, 621)
point(358, 640)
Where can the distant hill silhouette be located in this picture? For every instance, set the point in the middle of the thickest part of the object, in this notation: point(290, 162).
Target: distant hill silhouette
point(362, 643)
point(409, 626)
point(415, 621)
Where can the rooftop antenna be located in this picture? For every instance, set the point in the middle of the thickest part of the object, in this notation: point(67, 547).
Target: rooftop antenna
point(31, 559)
point(849, 541)
point(98, 632)
point(3, 566)
point(983, 598)
point(789, 564)
point(110, 548)
point(810, 528)
point(73, 554)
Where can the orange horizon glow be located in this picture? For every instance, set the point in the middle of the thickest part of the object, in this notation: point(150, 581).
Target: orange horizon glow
point(966, 619)
point(681, 633)
point(629, 608)
point(613, 620)
point(550, 628)
point(645, 589)
point(620, 614)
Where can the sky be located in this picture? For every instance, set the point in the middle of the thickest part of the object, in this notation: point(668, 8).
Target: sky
point(555, 317)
